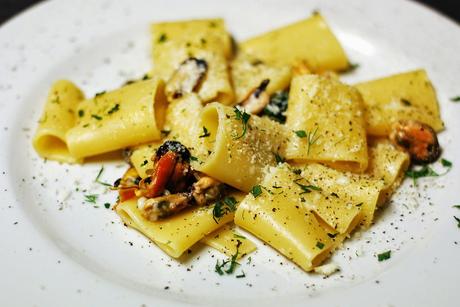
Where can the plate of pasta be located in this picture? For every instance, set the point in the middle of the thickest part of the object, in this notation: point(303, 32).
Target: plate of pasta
point(201, 153)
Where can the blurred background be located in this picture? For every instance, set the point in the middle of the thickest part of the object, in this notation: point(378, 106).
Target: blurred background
point(451, 8)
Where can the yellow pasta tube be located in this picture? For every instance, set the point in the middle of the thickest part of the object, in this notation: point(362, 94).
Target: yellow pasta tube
point(355, 190)
point(248, 73)
point(326, 122)
point(228, 241)
point(310, 41)
point(281, 220)
point(58, 117)
point(175, 42)
point(131, 115)
point(407, 95)
point(176, 234)
point(237, 151)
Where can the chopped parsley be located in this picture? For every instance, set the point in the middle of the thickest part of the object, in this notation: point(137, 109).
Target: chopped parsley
point(384, 256)
point(458, 221)
point(455, 99)
point(456, 206)
point(310, 135)
point(219, 266)
point(81, 113)
point(205, 134)
point(107, 205)
point(114, 109)
point(98, 178)
point(301, 133)
point(228, 266)
point(332, 235)
point(239, 236)
point(91, 198)
point(320, 245)
point(95, 116)
point(307, 188)
point(446, 163)
point(352, 67)
point(163, 38)
point(193, 158)
point(222, 207)
point(144, 163)
point(242, 275)
point(427, 171)
point(99, 94)
point(256, 191)
point(244, 118)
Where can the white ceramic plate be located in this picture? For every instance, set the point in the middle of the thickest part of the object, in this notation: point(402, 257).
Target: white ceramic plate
point(57, 250)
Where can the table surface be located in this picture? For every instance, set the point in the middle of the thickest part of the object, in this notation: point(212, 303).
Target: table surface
point(9, 8)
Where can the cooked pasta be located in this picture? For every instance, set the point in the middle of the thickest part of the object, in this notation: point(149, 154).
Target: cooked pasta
point(326, 122)
point(59, 116)
point(263, 138)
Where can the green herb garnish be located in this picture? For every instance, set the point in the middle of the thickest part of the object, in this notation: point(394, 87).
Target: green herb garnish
point(458, 221)
point(144, 163)
point(95, 116)
point(218, 267)
point(301, 133)
point(99, 94)
point(107, 205)
point(205, 134)
point(91, 198)
point(384, 256)
point(455, 99)
point(222, 207)
point(114, 109)
point(310, 135)
point(242, 275)
point(320, 245)
point(425, 171)
point(244, 118)
point(239, 236)
point(81, 113)
point(228, 266)
point(256, 191)
point(351, 67)
point(98, 180)
point(446, 163)
point(307, 188)
point(162, 38)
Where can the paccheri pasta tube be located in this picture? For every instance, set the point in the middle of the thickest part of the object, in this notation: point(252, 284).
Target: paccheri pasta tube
point(238, 146)
point(326, 123)
point(59, 116)
point(133, 114)
point(309, 41)
point(407, 95)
